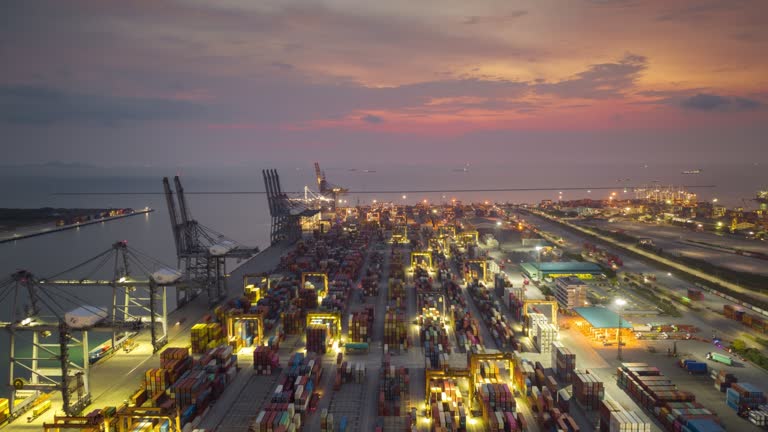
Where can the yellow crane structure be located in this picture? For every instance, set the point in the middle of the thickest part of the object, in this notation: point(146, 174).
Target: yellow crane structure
point(425, 255)
point(551, 303)
point(130, 417)
point(322, 276)
point(483, 264)
point(469, 373)
point(470, 237)
point(233, 318)
point(400, 234)
point(334, 317)
point(447, 230)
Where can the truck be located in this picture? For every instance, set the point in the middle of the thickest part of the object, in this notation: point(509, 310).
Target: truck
point(722, 358)
point(693, 367)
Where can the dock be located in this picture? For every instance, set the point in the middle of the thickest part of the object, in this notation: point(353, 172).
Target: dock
point(36, 231)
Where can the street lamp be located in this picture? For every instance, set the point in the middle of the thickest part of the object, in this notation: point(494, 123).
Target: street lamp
point(620, 303)
point(538, 260)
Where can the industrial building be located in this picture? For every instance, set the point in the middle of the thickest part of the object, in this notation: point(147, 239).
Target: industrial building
point(601, 324)
point(579, 269)
point(570, 292)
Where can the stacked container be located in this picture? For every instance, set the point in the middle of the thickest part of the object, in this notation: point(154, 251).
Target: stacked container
point(318, 338)
point(743, 396)
point(265, 360)
point(607, 408)
point(293, 321)
point(395, 334)
point(394, 389)
point(156, 381)
point(723, 379)
point(588, 390)
point(546, 333)
point(563, 362)
point(446, 406)
point(628, 421)
point(360, 327)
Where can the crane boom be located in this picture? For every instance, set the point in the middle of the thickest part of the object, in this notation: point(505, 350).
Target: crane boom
point(174, 215)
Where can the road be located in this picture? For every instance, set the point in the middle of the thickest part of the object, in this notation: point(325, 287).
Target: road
point(680, 267)
point(717, 249)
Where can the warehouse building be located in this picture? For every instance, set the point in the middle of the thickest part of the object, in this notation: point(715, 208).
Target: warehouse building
point(579, 269)
point(570, 292)
point(603, 324)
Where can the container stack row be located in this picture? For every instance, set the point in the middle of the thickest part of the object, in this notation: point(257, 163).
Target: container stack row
point(348, 372)
point(742, 397)
point(265, 360)
point(467, 330)
point(395, 331)
point(360, 328)
point(394, 387)
point(588, 390)
point(660, 397)
point(206, 336)
point(723, 379)
point(737, 313)
point(292, 397)
point(563, 362)
point(294, 320)
point(446, 406)
point(318, 338)
point(490, 311)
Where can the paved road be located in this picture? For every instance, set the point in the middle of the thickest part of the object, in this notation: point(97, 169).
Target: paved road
point(680, 267)
point(717, 249)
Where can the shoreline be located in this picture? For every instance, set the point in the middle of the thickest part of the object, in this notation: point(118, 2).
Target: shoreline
point(15, 236)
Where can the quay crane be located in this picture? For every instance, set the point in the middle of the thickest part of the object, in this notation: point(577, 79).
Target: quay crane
point(286, 211)
point(51, 313)
point(202, 250)
point(328, 189)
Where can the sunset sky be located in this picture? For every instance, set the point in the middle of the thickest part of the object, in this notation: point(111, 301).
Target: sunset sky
point(228, 82)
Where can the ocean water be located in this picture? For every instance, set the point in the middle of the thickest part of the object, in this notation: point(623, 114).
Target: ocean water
point(245, 217)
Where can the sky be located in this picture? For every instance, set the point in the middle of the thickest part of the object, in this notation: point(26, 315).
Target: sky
point(232, 82)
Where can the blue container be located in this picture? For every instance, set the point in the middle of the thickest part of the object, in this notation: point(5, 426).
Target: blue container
point(703, 425)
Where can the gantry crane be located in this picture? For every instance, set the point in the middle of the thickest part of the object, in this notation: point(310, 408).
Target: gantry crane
point(328, 189)
point(203, 251)
point(469, 373)
point(286, 212)
point(51, 306)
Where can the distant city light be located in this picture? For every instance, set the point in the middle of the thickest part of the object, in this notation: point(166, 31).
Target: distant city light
point(404, 196)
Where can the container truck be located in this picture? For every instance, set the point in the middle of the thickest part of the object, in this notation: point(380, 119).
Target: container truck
point(694, 367)
point(722, 358)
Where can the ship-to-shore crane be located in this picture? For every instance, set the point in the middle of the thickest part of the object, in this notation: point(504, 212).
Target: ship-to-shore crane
point(328, 189)
point(201, 251)
point(49, 319)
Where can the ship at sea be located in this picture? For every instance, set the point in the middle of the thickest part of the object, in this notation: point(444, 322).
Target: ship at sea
point(695, 171)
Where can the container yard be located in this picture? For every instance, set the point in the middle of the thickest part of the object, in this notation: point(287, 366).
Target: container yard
point(351, 330)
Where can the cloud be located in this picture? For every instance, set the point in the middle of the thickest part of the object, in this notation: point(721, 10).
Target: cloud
point(373, 119)
point(599, 81)
point(38, 105)
point(713, 102)
point(698, 10)
point(496, 19)
point(282, 66)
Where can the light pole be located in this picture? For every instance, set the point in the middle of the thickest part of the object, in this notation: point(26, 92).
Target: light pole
point(620, 303)
point(538, 261)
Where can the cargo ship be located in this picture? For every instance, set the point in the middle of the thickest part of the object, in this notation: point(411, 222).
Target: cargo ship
point(695, 171)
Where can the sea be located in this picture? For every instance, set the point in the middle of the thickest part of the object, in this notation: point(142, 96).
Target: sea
point(245, 218)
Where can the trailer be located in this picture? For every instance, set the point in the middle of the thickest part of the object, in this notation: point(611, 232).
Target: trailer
point(721, 358)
